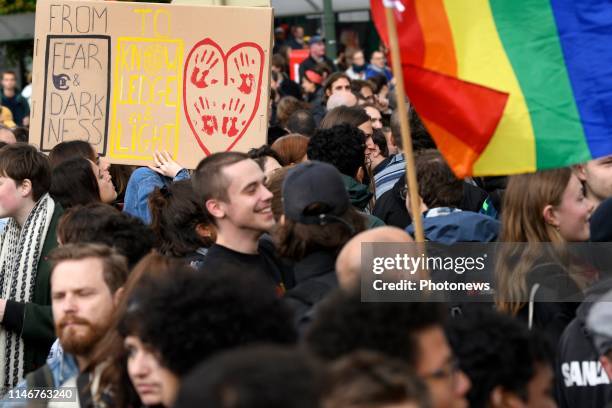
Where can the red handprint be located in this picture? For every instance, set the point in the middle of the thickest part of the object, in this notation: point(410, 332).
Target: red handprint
point(229, 121)
point(206, 67)
point(221, 92)
point(247, 79)
point(209, 122)
point(230, 116)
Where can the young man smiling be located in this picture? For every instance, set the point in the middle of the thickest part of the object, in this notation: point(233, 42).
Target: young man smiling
point(231, 188)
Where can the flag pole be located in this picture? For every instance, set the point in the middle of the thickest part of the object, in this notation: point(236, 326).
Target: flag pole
point(413, 189)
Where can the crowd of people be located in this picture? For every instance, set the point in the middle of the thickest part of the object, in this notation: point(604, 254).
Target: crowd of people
point(237, 284)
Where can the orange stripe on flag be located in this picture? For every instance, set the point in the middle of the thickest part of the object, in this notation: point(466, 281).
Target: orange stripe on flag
point(469, 111)
point(459, 156)
point(439, 46)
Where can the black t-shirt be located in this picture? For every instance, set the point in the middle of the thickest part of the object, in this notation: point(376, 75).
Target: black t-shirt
point(265, 264)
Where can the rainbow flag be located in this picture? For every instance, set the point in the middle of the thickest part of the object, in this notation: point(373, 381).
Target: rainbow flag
point(508, 86)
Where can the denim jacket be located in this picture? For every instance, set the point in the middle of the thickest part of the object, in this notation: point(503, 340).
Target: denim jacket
point(63, 367)
point(141, 184)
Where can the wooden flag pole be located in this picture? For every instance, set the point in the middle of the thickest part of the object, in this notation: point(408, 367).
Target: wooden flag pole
point(413, 188)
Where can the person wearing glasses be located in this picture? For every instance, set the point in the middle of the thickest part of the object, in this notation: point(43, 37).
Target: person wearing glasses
point(412, 333)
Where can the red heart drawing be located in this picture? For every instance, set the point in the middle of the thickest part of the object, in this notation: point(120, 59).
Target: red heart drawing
point(221, 91)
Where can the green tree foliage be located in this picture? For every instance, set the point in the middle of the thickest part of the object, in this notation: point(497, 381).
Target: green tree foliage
point(25, 6)
point(17, 6)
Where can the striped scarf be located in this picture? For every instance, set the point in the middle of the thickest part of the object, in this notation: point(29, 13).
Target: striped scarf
point(20, 249)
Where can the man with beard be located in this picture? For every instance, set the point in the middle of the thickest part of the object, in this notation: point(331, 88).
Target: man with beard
point(85, 287)
point(231, 190)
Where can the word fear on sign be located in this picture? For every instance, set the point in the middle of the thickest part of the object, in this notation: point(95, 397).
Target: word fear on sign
point(75, 103)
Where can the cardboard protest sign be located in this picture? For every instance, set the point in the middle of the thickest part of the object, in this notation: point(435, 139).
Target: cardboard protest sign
point(132, 78)
point(237, 3)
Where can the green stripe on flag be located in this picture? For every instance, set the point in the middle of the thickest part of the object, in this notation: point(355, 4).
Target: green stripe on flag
point(528, 33)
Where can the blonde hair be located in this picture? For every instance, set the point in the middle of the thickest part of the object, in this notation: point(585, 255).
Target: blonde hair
point(523, 221)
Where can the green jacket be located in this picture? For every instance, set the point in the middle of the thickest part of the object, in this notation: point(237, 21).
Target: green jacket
point(34, 320)
point(360, 197)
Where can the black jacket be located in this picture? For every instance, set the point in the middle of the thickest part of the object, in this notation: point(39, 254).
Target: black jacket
point(317, 108)
point(315, 278)
point(556, 299)
point(473, 198)
point(392, 209)
point(580, 380)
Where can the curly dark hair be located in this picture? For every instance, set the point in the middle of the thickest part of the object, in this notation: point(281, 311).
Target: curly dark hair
point(104, 224)
point(189, 316)
point(345, 324)
point(175, 217)
point(341, 145)
point(255, 377)
point(110, 353)
point(497, 350)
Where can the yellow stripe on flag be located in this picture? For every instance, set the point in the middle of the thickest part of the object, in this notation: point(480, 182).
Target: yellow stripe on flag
point(481, 59)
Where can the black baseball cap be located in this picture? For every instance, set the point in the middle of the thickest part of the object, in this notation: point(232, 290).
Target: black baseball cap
point(314, 182)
